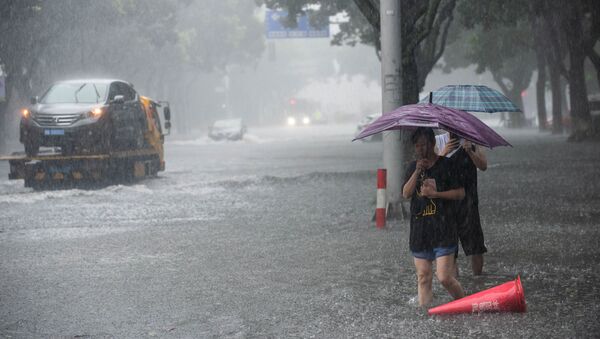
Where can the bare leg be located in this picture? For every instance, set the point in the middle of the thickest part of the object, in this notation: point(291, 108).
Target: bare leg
point(424, 279)
point(456, 271)
point(477, 264)
point(445, 270)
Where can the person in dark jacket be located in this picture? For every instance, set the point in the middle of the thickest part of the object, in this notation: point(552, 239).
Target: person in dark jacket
point(431, 186)
point(467, 158)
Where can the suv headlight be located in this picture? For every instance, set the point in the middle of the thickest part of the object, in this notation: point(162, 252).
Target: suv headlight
point(25, 113)
point(96, 112)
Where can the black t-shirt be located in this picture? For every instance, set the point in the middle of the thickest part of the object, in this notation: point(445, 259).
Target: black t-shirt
point(467, 173)
point(432, 221)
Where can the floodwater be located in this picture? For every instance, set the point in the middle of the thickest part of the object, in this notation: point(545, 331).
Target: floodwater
point(272, 237)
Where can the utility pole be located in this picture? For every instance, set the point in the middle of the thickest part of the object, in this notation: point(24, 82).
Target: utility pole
point(391, 72)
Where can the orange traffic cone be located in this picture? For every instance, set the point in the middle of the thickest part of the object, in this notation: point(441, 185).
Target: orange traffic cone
point(508, 297)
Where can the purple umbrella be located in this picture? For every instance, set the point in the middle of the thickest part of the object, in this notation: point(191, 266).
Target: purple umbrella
point(461, 123)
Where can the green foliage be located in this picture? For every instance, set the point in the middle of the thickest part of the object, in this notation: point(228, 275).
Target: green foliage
point(498, 39)
point(492, 48)
point(424, 30)
point(209, 39)
point(162, 46)
point(492, 13)
point(155, 20)
point(101, 35)
point(498, 31)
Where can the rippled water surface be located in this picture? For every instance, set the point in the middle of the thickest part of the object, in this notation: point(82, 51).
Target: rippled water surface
point(272, 237)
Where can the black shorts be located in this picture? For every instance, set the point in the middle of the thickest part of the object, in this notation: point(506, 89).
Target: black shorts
point(470, 233)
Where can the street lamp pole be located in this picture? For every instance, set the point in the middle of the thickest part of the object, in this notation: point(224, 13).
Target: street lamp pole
point(391, 81)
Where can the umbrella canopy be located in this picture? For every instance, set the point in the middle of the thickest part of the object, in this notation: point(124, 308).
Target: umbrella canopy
point(461, 123)
point(472, 98)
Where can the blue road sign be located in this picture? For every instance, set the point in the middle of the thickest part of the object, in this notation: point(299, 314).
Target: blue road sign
point(276, 30)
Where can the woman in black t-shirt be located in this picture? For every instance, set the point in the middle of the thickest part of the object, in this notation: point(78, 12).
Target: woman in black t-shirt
point(431, 185)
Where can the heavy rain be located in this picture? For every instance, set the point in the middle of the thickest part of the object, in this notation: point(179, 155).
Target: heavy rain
point(187, 169)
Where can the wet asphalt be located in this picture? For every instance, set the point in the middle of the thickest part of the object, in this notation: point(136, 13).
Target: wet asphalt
point(272, 237)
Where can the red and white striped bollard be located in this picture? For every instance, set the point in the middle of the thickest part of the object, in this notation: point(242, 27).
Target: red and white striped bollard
point(381, 198)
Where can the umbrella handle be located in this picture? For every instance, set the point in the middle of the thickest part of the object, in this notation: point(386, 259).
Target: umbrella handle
point(430, 97)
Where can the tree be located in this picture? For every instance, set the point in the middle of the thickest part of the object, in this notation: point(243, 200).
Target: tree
point(576, 42)
point(503, 51)
point(539, 48)
point(574, 25)
point(239, 40)
point(148, 42)
point(215, 38)
point(41, 41)
point(561, 29)
point(551, 40)
point(425, 27)
point(17, 19)
point(499, 40)
point(592, 35)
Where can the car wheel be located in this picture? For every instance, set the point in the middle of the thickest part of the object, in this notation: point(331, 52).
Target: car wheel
point(31, 149)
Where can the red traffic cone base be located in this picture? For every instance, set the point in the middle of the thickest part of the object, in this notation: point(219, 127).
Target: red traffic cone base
point(508, 297)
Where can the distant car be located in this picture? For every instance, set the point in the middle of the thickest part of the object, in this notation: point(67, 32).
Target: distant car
point(84, 116)
point(364, 123)
point(230, 129)
point(298, 120)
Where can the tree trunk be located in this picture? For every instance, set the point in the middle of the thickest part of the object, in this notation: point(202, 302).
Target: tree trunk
point(540, 49)
point(541, 93)
point(2, 126)
point(564, 93)
point(410, 80)
point(517, 119)
point(16, 93)
point(557, 126)
point(595, 59)
point(541, 98)
point(580, 109)
point(4, 115)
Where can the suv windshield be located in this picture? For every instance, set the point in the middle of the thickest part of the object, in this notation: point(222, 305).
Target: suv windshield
point(82, 92)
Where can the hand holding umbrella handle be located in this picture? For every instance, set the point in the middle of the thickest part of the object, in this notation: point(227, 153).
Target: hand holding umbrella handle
point(469, 146)
point(476, 154)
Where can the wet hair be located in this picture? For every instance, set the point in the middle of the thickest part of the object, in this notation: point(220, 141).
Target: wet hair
point(427, 132)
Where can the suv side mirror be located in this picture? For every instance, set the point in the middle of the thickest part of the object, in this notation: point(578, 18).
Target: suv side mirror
point(34, 100)
point(119, 99)
point(167, 124)
point(167, 113)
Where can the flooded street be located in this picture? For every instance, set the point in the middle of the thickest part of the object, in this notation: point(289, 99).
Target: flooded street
point(272, 236)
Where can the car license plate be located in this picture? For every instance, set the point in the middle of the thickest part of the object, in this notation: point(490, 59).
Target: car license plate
point(54, 132)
